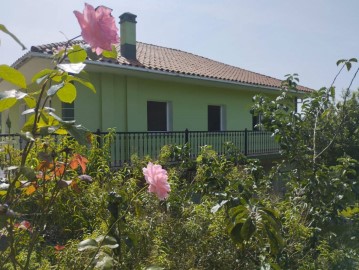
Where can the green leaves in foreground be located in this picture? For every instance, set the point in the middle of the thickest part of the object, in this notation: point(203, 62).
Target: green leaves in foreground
point(249, 219)
point(102, 259)
point(12, 75)
point(9, 98)
point(347, 63)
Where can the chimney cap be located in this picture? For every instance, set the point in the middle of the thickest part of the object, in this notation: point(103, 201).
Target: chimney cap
point(128, 17)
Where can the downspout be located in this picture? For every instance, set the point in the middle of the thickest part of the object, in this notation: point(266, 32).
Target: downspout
point(126, 104)
point(101, 107)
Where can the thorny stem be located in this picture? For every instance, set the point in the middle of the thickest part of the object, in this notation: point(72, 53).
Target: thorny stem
point(25, 154)
point(315, 139)
point(356, 72)
point(46, 208)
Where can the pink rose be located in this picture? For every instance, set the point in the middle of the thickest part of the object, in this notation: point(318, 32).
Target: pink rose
point(24, 225)
point(98, 28)
point(157, 177)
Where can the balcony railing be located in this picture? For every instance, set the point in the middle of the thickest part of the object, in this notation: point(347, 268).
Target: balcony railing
point(125, 144)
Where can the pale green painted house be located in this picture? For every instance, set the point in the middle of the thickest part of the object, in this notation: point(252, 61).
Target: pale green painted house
point(152, 88)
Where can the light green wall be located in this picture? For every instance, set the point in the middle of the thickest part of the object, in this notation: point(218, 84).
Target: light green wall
point(189, 104)
point(15, 117)
point(121, 102)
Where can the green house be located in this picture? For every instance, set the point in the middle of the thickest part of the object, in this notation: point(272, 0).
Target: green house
point(152, 88)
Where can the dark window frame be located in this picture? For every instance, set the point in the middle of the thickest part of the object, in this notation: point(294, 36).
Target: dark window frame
point(257, 122)
point(157, 115)
point(65, 108)
point(214, 118)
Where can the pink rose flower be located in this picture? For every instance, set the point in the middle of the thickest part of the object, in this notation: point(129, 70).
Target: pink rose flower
point(98, 28)
point(157, 177)
point(24, 225)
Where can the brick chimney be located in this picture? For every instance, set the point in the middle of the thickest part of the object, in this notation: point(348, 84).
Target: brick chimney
point(128, 35)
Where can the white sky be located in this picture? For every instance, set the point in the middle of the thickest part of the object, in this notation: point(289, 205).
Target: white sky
point(272, 37)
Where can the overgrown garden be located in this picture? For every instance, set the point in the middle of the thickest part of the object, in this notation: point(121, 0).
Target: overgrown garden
point(62, 206)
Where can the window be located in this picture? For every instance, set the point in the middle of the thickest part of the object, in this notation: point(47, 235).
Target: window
point(295, 104)
point(216, 118)
point(257, 122)
point(68, 111)
point(158, 116)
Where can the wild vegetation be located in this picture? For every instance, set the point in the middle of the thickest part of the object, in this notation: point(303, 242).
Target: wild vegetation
point(63, 207)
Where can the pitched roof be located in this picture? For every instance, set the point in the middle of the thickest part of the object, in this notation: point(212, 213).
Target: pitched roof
point(152, 57)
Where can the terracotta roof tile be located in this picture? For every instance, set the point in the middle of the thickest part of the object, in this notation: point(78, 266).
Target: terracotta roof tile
point(175, 61)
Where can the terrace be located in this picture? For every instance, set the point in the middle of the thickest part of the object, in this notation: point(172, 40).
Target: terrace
point(125, 144)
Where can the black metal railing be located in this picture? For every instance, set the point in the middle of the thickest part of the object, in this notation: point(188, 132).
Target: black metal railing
point(125, 144)
point(251, 143)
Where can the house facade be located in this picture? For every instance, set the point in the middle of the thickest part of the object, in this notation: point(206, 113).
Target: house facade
point(152, 88)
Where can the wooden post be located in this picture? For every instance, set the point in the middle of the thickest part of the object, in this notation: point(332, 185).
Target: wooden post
point(246, 142)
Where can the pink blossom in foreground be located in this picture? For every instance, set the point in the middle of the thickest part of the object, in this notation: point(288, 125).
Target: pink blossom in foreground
point(157, 177)
point(98, 28)
point(24, 225)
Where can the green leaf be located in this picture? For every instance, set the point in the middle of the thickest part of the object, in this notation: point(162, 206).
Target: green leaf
point(348, 65)
point(81, 134)
point(6, 31)
point(30, 101)
point(87, 244)
point(273, 241)
point(154, 267)
point(58, 118)
point(218, 206)
point(12, 76)
point(67, 93)
point(353, 60)
point(72, 68)
point(41, 75)
point(83, 82)
point(332, 91)
point(27, 136)
point(108, 241)
point(28, 173)
point(275, 266)
point(77, 54)
point(7, 103)
point(104, 262)
point(341, 61)
point(29, 123)
point(9, 98)
point(110, 54)
point(236, 210)
point(54, 88)
point(247, 229)
point(235, 233)
point(11, 168)
point(28, 111)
